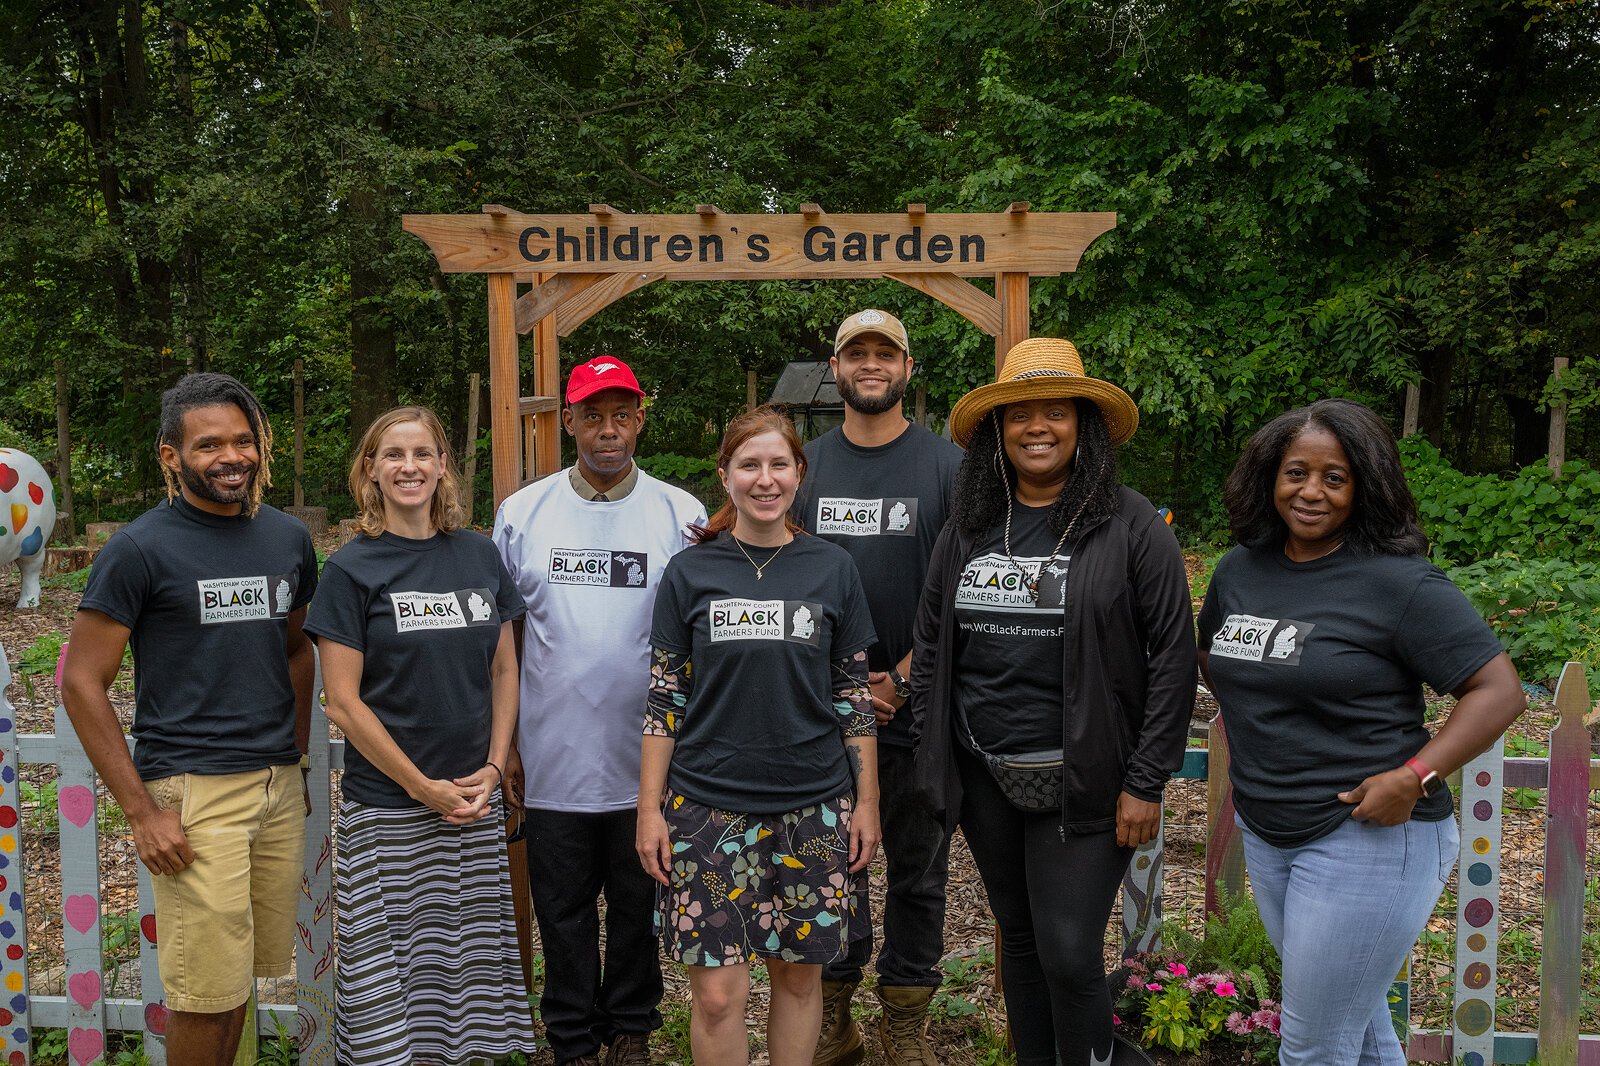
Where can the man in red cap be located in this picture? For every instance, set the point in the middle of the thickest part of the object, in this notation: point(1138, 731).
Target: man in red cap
point(586, 548)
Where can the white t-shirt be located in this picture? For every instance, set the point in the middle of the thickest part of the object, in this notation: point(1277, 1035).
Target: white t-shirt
point(588, 571)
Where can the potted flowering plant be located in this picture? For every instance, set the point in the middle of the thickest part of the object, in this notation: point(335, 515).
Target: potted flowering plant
point(1166, 1005)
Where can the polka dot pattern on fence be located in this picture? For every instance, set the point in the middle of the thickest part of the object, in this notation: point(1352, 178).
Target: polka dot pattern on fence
point(1477, 906)
point(14, 1022)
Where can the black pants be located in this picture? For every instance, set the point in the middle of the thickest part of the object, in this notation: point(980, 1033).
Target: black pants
point(572, 859)
point(1052, 899)
point(918, 853)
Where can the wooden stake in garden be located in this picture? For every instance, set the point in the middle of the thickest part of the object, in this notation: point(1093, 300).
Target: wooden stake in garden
point(1558, 424)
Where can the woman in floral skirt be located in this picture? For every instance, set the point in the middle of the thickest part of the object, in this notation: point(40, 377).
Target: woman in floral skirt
point(758, 793)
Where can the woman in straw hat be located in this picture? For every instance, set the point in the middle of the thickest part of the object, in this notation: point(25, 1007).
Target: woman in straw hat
point(1055, 620)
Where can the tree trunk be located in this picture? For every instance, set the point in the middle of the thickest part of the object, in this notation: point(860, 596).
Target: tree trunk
point(1530, 430)
point(1438, 364)
point(65, 520)
point(372, 340)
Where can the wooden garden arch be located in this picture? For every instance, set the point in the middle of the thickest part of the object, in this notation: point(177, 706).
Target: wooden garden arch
point(548, 274)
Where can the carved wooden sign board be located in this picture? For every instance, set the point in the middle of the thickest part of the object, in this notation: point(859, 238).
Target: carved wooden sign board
point(577, 265)
point(714, 246)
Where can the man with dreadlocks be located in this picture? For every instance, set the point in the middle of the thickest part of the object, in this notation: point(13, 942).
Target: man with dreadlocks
point(210, 588)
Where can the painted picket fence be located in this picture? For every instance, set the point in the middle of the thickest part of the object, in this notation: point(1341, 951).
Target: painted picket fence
point(84, 1011)
point(1568, 775)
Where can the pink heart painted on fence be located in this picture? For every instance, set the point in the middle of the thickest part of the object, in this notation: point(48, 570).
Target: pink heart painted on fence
point(77, 805)
point(82, 912)
point(155, 1018)
point(86, 1045)
point(84, 988)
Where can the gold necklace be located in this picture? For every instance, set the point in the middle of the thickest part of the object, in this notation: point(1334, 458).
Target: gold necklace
point(762, 566)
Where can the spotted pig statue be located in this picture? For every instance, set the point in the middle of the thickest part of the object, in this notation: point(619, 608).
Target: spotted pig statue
point(27, 515)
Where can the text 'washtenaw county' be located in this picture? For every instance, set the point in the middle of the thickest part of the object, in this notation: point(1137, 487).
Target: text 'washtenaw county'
point(896, 516)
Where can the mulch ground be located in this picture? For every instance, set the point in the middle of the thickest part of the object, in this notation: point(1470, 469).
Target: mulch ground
point(970, 1020)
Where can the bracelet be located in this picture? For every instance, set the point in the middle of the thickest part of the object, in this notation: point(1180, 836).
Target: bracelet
point(497, 769)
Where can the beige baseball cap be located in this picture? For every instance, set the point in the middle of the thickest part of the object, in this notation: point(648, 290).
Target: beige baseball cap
point(871, 321)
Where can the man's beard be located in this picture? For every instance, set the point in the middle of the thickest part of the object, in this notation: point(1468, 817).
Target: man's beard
point(203, 487)
point(873, 405)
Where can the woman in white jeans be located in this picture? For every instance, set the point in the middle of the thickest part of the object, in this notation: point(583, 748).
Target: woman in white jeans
point(1317, 634)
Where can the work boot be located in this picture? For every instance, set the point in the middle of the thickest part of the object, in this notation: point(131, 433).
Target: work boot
point(590, 1059)
point(841, 1043)
point(903, 1029)
point(629, 1049)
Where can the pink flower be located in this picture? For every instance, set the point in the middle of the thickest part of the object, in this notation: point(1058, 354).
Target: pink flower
point(1238, 1024)
point(1178, 969)
point(1135, 983)
point(1196, 984)
point(1153, 987)
point(1267, 1019)
point(1114, 1019)
point(1226, 988)
point(1213, 978)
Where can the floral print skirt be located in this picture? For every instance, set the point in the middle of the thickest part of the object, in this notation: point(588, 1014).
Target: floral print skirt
point(750, 886)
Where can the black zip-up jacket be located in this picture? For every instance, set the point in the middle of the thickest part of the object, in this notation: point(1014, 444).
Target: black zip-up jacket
point(1129, 667)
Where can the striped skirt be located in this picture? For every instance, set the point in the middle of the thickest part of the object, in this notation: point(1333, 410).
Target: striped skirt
point(427, 966)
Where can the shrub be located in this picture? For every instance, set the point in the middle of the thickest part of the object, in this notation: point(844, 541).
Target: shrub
point(1469, 517)
point(1545, 610)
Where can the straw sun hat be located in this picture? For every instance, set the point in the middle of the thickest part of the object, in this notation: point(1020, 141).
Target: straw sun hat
point(1044, 369)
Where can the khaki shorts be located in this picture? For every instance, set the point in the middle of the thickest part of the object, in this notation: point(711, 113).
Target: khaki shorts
point(229, 917)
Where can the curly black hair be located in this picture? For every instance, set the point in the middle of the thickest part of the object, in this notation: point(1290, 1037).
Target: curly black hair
point(216, 390)
point(1383, 518)
point(986, 479)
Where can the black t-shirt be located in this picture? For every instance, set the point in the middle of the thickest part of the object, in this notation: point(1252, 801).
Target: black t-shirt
point(206, 598)
point(760, 733)
point(426, 616)
point(885, 506)
point(1318, 668)
point(1009, 654)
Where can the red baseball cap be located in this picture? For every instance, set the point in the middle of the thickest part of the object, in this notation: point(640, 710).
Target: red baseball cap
point(598, 374)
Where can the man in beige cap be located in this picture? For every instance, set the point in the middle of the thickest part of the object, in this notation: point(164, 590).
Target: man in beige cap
point(879, 487)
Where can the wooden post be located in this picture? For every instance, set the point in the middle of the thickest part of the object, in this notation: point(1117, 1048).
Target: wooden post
point(1482, 792)
point(749, 390)
point(546, 382)
point(299, 431)
point(470, 467)
point(1413, 410)
point(922, 404)
point(1224, 845)
point(505, 455)
point(1565, 846)
point(1011, 289)
point(1558, 424)
point(14, 958)
point(80, 898)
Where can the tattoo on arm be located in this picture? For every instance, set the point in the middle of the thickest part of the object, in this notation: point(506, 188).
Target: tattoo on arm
point(852, 753)
point(671, 681)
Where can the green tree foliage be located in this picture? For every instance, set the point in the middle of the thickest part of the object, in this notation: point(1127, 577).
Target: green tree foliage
point(1313, 200)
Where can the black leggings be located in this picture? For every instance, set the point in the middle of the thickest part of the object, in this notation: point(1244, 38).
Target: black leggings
point(1052, 899)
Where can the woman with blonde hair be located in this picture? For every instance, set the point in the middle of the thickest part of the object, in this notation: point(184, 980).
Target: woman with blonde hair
point(758, 789)
point(413, 623)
